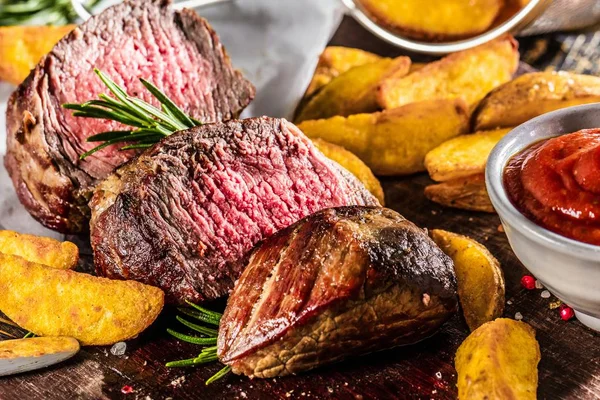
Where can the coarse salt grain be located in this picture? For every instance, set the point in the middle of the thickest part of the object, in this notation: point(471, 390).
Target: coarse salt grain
point(538, 284)
point(518, 316)
point(118, 349)
point(545, 294)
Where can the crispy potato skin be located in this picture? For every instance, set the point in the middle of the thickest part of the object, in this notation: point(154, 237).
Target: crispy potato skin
point(434, 20)
point(534, 94)
point(469, 74)
point(336, 60)
point(394, 142)
point(21, 47)
point(468, 193)
point(41, 250)
point(463, 155)
point(37, 346)
point(353, 164)
point(478, 274)
point(54, 302)
point(498, 361)
point(354, 91)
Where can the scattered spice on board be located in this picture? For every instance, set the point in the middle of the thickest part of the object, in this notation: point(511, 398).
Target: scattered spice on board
point(126, 389)
point(566, 312)
point(518, 316)
point(528, 282)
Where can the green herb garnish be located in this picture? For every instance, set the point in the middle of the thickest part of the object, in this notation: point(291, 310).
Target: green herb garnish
point(151, 123)
point(209, 337)
point(39, 12)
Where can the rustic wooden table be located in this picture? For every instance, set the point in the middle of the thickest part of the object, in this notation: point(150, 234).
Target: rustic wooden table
point(570, 366)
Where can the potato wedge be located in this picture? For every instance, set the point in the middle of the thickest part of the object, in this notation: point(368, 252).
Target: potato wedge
point(336, 60)
point(463, 155)
point(21, 355)
point(54, 302)
point(41, 250)
point(469, 74)
point(37, 346)
point(434, 20)
point(510, 8)
point(534, 94)
point(468, 193)
point(394, 142)
point(21, 47)
point(354, 91)
point(414, 67)
point(478, 275)
point(353, 164)
point(498, 361)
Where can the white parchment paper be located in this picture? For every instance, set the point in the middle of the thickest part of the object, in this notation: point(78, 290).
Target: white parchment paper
point(275, 43)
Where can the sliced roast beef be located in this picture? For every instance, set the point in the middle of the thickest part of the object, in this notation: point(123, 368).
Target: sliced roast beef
point(341, 282)
point(177, 51)
point(182, 214)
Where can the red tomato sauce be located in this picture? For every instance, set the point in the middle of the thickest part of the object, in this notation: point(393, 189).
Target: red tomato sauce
point(556, 184)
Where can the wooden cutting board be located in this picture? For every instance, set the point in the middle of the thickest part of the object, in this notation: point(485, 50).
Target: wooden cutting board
point(570, 366)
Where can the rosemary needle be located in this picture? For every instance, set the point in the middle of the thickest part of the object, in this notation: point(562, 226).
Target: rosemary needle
point(193, 339)
point(38, 12)
point(207, 354)
point(198, 328)
point(219, 375)
point(151, 123)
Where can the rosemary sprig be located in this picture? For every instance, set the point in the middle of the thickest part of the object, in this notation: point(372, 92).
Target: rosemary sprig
point(29, 335)
point(151, 123)
point(39, 12)
point(209, 337)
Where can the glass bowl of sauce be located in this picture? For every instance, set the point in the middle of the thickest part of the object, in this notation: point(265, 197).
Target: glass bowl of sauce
point(543, 179)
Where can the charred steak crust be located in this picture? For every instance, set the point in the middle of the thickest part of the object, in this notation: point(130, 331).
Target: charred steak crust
point(178, 51)
point(182, 214)
point(341, 282)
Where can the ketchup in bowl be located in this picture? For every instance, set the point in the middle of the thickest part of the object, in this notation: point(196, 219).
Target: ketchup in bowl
point(556, 184)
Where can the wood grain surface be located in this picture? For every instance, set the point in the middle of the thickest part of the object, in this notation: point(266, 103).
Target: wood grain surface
point(570, 366)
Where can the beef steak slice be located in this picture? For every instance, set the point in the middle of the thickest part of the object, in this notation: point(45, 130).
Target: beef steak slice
point(339, 283)
point(183, 213)
point(177, 51)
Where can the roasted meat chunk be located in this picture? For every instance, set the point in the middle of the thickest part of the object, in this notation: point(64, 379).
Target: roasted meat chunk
point(342, 282)
point(183, 213)
point(176, 50)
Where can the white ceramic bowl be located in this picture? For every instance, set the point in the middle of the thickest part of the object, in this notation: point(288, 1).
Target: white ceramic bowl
point(568, 268)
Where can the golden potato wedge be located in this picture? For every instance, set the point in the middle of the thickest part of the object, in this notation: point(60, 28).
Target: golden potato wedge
point(22, 355)
point(41, 250)
point(55, 302)
point(434, 20)
point(469, 74)
point(510, 8)
point(468, 193)
point(336, 60)
point(414, 67)
point(478, 275)
point(534, 94)
point(37, 347)
point(353, 164)
point(498, 361)
point(463, 155)
point(21, 47)
point(354, 91)
point(394, 142)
